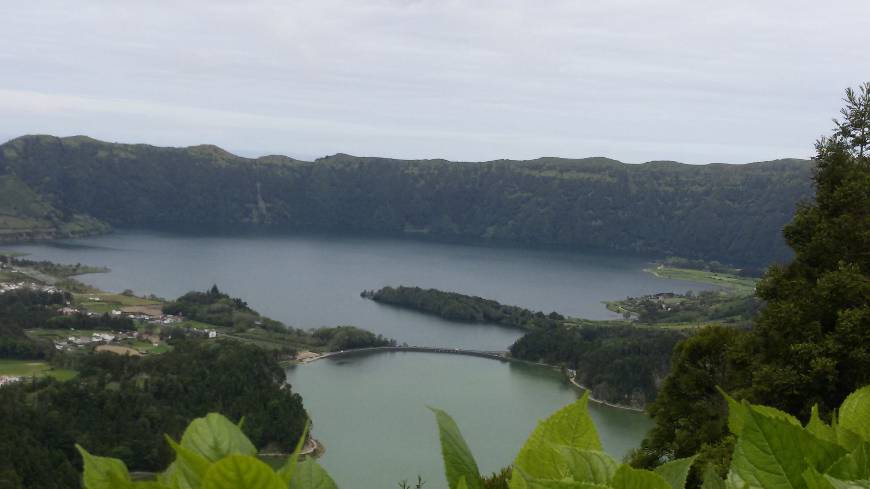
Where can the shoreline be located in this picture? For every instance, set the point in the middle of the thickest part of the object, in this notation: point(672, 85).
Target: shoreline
point(502, 356)
point(312, 448)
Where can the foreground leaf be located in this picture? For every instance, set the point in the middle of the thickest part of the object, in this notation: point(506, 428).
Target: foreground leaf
point(541, 458)
point(841, 484)
point(819, 428)
point(188, 469)
point(773, 453)
point(286, 472)
point(712, 479)
point(458, 461)
point(676, 471)
point(737, 411)
point(534, 483)
point(103, 472)
point(815, 480)
point(589, 465)
point(629, 478)
point(310, 475)
point(215, 437)
point(241, 472)
point(562, 484)
point(854, 465)
point(854, 413)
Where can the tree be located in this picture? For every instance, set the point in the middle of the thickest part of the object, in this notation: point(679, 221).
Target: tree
point(813, 338)
point(854, 129)
point(810, 343)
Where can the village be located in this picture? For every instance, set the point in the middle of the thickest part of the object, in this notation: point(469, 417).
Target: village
point(149, 321)
point(148, 336)
point(12, 286)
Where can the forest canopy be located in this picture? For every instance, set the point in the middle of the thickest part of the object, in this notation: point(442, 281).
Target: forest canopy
point(810, 344)
point(731, 213)
point(121, 406)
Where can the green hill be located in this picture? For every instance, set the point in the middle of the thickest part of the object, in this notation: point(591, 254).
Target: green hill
point(731, 213)
point(24, 215)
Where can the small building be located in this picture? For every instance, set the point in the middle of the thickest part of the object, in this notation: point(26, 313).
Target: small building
point(68, 311)
point(9, 379)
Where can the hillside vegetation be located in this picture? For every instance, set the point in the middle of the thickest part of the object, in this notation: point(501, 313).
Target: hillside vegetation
point(733, 213)
point(808, 347)
point(123, 406)
point(25, 215)
point(453, 306)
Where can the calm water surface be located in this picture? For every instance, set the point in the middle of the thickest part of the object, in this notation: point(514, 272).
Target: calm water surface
point(309, 281)
point(377, 431)
point(369, 409)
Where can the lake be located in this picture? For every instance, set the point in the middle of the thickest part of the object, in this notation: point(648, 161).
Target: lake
point(369, 409)
point(377, 431)
point(310, 281)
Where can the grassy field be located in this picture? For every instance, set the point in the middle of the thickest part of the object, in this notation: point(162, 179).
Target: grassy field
point(189, 323)
point(734, 283)
point(109, 301)
point(7, 276)
point(34, 368)
point(146, 347)
point(13, 254)
point(60, 333)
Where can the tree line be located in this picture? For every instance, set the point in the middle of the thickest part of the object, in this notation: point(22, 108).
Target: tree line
point(453, 306)
point(121, 406)
point(810, 344)
point(617, 362)
point(28, 308)
point(220, 309)
point(730, 213)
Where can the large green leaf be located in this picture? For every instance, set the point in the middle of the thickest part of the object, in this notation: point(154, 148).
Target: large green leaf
point(589, 465)
point(854, 465)
point(737, 412)
point(712, 479)
point(286, 472)
point(215, 437)
point(103, 472)
point(841, 484)
point(540, 456)
point(241, 472)
point(676, 471)
point(458, 460)
point(530, 482)
point(773, 453)
point(629, 478)
point(845, 437)
point(562, 484)
point(854, 413)
point(310, 475)
point(819, 428)
point(188, 469)
point(815, 480)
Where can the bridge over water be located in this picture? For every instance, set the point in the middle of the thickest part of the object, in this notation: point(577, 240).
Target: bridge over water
point(494, 354)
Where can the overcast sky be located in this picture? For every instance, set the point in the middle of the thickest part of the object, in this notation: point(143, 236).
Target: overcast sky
point(693, 81)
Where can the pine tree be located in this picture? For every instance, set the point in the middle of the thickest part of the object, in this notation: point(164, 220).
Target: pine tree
point(813, 337)
point(811, 342)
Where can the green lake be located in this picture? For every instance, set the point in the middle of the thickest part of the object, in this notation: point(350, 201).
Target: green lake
point(369, 410)
point(373, 421)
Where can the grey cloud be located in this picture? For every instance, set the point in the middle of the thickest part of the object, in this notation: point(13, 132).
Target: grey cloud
point(470, 80)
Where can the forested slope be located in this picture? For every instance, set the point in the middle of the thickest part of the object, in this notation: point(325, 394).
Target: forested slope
point(733, 213)
point(25, 215)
